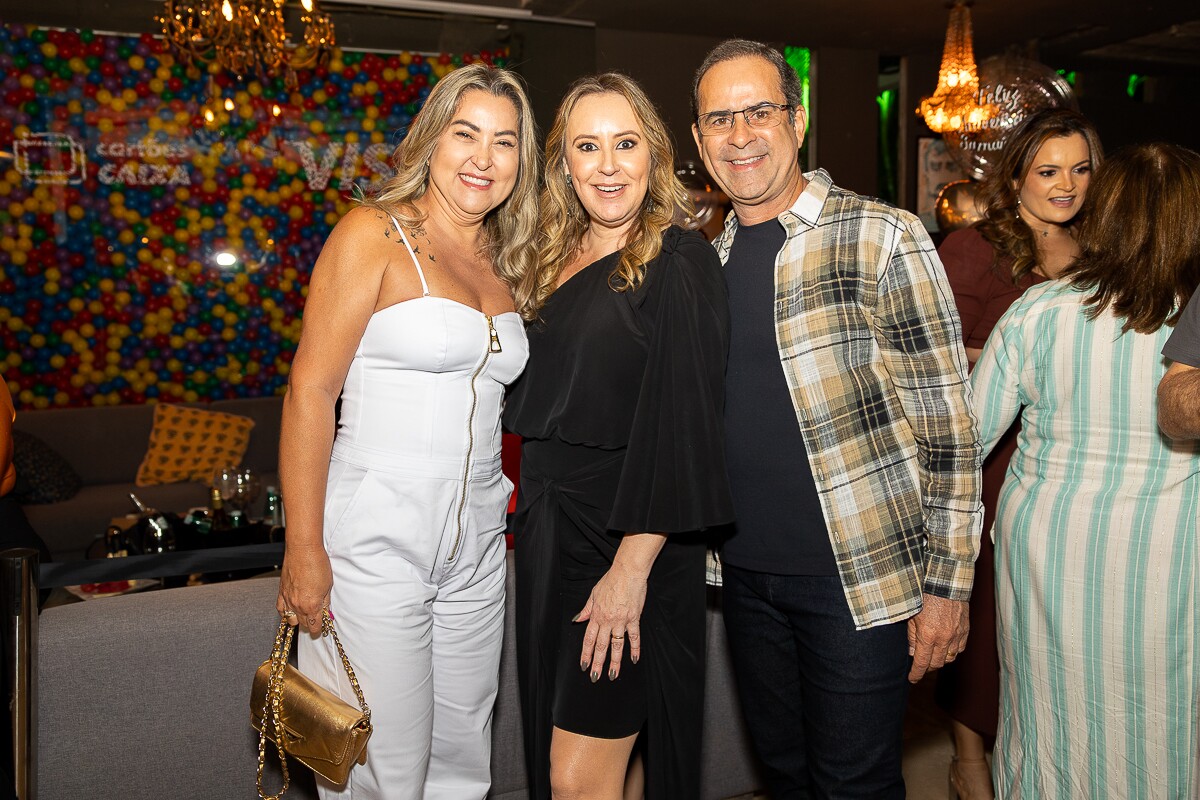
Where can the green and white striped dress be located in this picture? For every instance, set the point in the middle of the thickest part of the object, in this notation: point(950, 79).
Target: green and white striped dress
point(1096, 559)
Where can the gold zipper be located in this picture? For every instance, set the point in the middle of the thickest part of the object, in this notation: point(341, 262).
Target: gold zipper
point(493, 336)
point(493, 347)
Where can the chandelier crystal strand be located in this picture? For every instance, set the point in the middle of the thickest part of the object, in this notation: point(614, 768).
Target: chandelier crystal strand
point(244, 36)
point(954, 103)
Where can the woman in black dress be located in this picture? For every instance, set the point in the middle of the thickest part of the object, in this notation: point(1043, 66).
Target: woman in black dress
point(623, 460)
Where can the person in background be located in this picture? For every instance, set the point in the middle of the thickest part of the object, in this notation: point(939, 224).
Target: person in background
point(396, 520)
point(1179, 389)
point(1096, 534)
point(853, 454)
point(622, 462)
point(15, 531)
point(1031, 206)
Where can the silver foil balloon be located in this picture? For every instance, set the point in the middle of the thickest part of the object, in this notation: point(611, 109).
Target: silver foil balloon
point(955, 206)
point(1013, 88)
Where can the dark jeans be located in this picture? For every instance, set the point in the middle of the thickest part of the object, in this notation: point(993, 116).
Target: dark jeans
point(824, 703)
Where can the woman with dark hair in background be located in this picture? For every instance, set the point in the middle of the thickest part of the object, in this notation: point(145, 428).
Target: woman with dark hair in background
point(1030, 204)
point(623, 459)
point(1096, 532)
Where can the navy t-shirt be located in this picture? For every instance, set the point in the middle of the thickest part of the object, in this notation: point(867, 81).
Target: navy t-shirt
point(780, 528)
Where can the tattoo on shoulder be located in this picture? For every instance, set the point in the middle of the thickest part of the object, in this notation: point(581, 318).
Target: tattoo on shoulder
point(387, 228)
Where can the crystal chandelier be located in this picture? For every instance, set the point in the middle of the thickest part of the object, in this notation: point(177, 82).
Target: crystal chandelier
point(953, 105)
point(246, 35)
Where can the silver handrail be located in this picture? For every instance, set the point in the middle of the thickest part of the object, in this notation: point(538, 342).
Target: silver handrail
point(18, 594)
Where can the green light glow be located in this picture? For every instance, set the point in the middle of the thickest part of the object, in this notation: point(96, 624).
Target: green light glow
point(887, 100)
point(801, 60)
point(1135, 81)
point(887, 103)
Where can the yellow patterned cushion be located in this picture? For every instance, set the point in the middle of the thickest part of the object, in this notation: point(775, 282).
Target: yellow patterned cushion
point(188, 444)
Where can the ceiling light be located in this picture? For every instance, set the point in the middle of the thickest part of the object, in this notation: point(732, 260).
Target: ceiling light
point(953, 105)
point(245, 36)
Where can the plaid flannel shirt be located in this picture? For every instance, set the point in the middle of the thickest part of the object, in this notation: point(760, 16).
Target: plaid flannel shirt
point(871, 348)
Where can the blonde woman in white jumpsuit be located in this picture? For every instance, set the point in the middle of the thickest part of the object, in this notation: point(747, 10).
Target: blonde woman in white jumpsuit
point(396, 522)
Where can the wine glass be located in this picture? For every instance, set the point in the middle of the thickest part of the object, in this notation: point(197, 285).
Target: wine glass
point(246, 488)
point(225, 481)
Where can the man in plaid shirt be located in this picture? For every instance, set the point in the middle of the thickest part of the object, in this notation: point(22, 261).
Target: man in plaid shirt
point(853, 452)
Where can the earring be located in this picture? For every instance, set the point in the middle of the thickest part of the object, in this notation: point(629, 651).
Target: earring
point(567, 175)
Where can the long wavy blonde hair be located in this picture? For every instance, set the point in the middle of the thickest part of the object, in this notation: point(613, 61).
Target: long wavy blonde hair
point(564, 220)
point(510, 230)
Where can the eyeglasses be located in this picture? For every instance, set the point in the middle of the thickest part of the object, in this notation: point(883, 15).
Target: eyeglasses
point(763, 115)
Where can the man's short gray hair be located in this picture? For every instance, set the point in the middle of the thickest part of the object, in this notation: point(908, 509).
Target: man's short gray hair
point(728, 50)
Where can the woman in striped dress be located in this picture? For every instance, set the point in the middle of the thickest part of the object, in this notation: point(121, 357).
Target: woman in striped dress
point(1029, 233)
point(1096, 527)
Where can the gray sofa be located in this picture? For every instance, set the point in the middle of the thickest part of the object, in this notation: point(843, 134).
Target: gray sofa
point(147, 695)
point(105, 445)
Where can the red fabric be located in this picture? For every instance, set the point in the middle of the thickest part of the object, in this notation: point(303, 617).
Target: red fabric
point(969, 688)
point(510, 463)
point(8, 473)
point(983, 291)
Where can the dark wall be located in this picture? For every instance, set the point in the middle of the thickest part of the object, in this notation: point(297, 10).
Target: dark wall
point(1162, 109)
point(550, 57)
point(664, 64)
point(918, 76)
point(844, 129)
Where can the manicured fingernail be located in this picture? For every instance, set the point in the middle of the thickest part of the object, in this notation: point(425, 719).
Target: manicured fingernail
point(576, 617)
point(583, 665)
point(612, 674)
point(595, 676)
point(633, 658)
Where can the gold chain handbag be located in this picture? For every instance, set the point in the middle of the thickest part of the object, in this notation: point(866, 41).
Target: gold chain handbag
point(304, 720)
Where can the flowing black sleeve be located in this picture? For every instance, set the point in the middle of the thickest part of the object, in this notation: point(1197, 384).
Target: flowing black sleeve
point(674, 478)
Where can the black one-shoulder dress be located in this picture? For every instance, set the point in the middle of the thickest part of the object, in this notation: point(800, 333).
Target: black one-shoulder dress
point(620, 409)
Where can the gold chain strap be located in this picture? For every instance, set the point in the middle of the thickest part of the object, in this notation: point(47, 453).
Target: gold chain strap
point(327, 629)
point(273, 707)
point(272, 712)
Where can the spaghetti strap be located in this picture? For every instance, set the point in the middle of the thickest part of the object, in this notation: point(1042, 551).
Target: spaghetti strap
point(416, 261)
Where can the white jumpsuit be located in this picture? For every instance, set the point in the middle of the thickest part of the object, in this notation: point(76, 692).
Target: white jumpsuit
point(414, 516)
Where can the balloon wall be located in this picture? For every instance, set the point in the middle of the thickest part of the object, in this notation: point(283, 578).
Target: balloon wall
point(158, 221)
